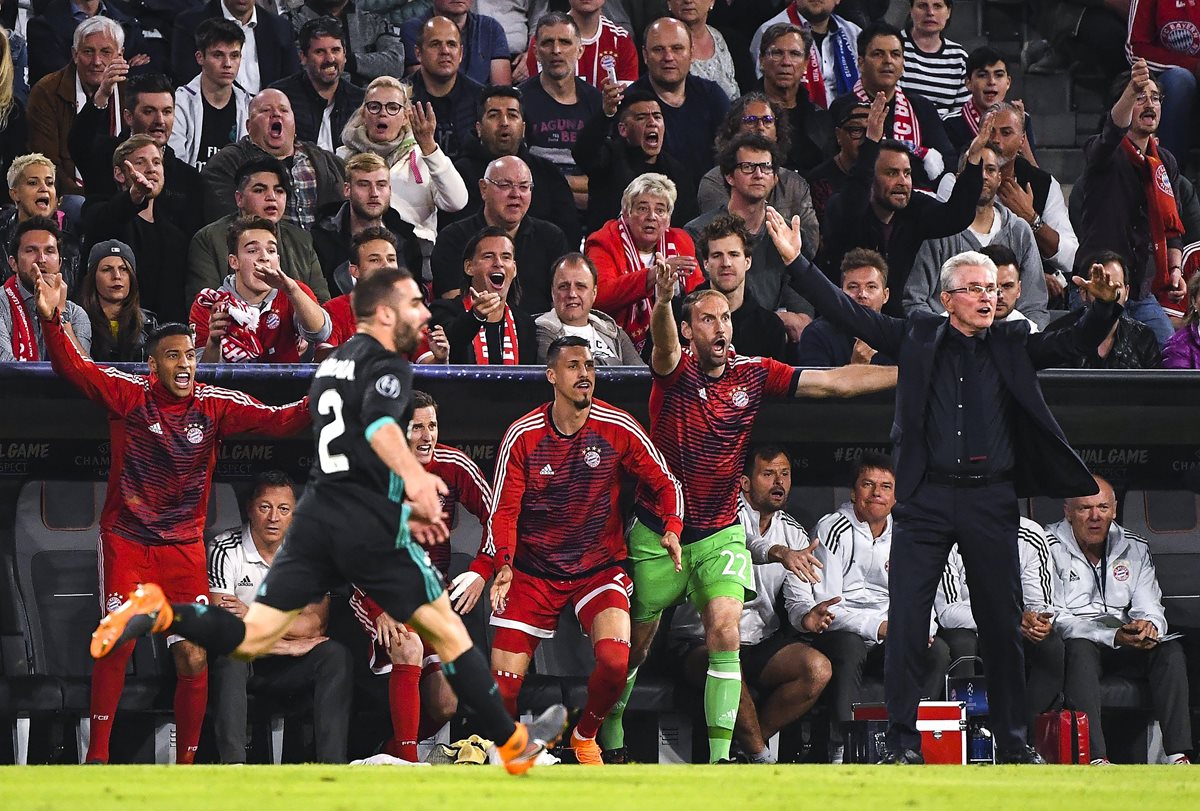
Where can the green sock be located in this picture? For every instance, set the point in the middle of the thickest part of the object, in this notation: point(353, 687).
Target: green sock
point(612, 731)
point(722, 694)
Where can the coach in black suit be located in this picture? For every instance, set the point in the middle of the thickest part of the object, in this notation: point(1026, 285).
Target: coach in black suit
point(972, 434)
point(274, 41)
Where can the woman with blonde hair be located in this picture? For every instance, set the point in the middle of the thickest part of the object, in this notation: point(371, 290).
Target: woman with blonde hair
point(12, 115)
point(401, 132)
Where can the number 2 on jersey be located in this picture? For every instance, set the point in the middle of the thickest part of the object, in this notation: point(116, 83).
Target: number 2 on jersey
point(331, 404)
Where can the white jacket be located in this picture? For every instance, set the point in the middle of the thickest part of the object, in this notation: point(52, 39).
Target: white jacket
point(440, 187)
point(1124, 585)
point(772, 581)
point(952, 604)
point(189, 123)
point(856, 568)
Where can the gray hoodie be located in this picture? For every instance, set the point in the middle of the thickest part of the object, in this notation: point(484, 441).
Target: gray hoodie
point(614, 338)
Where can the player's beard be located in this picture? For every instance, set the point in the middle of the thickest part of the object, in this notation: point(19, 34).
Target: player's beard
point(406, 336)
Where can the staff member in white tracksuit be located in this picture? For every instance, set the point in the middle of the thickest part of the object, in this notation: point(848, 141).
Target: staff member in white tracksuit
point(1044, 649)
point(856, 543)
point(1106, 572)
point(787, 674)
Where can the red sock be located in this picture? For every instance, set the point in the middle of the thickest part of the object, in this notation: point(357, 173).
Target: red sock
point(510, 688)
point(108, 680)
point(191, 699)
point(404, 701)
point(605, 685)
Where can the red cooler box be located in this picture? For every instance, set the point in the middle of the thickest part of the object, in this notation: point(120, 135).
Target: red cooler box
point(942, 724)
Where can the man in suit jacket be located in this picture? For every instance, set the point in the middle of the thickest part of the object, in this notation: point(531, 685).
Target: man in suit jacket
point(268, 55)
point(972, 434)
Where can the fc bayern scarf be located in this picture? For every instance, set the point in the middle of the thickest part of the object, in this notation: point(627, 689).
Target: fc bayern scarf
point(639, 316)
point(972, 115)
point(1160, 210)
point(509, 352)
point(847, 70)
point(24, 342)
point(241, 343)
point(905, 127)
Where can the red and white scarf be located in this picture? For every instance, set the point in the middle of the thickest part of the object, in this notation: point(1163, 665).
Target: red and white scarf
point(844, 58)
point(24, 339)
point(905, 127)
point(509, 349)
point(972, 115)
point(241, 343)
point(639, 314)
point(1161, 210)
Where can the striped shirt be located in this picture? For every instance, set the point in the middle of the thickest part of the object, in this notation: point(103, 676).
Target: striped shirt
point(939, 77)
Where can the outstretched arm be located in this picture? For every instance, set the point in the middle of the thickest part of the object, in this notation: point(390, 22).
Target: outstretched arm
point(846, 381)
point(1058, 348)
point(667, 351)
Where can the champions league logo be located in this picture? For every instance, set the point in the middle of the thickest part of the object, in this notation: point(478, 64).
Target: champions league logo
point(591, 456)
point(388, 386)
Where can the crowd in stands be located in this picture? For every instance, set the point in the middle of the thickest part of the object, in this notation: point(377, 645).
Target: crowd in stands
point(238, 167)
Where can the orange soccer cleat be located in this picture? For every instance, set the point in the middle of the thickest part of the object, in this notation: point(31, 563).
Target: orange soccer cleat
point(146, 611)
point(587, 751)
point(520, 752)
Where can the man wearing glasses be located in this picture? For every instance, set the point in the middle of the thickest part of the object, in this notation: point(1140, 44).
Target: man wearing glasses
point(972, 434)
point(507, 189)
point(830, 68)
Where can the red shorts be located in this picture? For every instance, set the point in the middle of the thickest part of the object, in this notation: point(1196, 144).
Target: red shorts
point(180, 570)
point(535, 603)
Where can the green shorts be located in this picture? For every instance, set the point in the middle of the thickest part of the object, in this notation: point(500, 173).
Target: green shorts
point(716, 566)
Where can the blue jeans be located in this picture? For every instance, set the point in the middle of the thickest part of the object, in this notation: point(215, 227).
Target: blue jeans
point(1150, 313)
point(1179, 91)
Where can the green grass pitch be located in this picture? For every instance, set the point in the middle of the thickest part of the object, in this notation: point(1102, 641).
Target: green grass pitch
point(613, 788)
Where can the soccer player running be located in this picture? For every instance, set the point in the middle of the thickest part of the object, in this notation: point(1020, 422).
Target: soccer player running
point(367, 500)
point(419, 697)
point(165, 431)
point(555, 532)
point(703, 402)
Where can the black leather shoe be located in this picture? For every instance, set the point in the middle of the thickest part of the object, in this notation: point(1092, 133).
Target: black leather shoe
point(901, 757)
point(1027, 755)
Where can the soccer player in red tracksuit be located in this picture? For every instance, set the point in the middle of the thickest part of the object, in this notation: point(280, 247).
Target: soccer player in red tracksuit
point(415, 677)
point(555, 533)
point(165, 431)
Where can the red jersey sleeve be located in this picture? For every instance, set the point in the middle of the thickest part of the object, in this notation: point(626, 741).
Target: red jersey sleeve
point(781, 378)
point(500, 537)
point(531, 57)
point(641, 459)
point(240, 413)
point(614, 289)
point(117, 391)
point(483, 565)
point(474, 492)
point(366, 610)
point(1144, 41)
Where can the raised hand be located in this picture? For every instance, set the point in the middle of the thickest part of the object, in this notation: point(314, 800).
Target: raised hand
point(439, 345)
point(487, 304)
point(664, 277)
point(612, 96)
point(788, 239)
point(139, 186)
point(49, 293)
point(876, 117)
point(116, 73)
point(272, 276)
point(1099, 284)
point(424, 124)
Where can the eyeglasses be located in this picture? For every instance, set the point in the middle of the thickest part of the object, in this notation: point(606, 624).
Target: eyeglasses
point(377, 107)
point(855, 132)
point(1154, 98)
point(779, 53)
point(976, 290)
point(508, 185)
point(748, 167)
point(755, 120)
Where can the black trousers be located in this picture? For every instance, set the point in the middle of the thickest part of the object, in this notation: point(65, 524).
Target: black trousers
point(325, 673)
point(1164, 666)
point(983, 521)
point(850, 657)
point(1044, 667)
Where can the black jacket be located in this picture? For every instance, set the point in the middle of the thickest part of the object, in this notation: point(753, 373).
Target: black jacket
point(850, 223)
point(331, 240)
point(1134, 346)
point(610, 164)
point(823, 343)
point(49, 36)
point(273, 36)
point(92, 148)
point(538, 245)
point(552, 199)
point(309, 108)
point(1045, 464)
point(461, 327)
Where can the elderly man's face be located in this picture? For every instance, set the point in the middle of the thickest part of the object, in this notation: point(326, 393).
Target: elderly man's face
point(573, 293)
point(507, 190)
point(1091, 516)
point(783, 64)
point(94, 54)
point(649, 217)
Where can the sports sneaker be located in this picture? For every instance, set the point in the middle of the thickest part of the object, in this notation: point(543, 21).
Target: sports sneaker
point(146, 611)
point(1101, 761)
point(587, 751)
point(520, 752)
point(1179, 760)
point(618, 756)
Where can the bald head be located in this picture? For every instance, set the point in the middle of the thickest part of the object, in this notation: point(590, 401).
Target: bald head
point(271, 124)
point(668, 53)
point(1091, 517)
point(439, 48)
point(506, 189)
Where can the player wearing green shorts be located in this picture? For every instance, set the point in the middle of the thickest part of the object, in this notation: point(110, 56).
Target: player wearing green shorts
point(702, 407)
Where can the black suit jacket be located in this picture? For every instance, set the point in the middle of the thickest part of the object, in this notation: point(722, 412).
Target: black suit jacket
point(1045, 463)
point(273, 36)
